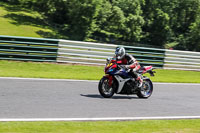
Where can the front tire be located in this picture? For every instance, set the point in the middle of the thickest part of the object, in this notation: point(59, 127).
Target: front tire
point(146, 90)
point(104, 89)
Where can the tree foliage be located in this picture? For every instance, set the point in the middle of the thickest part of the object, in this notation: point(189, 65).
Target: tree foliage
point(154, 22)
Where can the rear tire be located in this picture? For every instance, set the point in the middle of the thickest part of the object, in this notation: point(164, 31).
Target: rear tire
point(146, 90)
point(104, 89)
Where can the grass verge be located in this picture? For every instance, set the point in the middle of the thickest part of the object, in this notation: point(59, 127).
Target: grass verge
point(18, 21)
point(82, 72)
point(143, 126)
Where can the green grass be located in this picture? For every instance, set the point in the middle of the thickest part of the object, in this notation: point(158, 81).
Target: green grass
point(67, 71)
point(144, 126)
point(49, 70)
point(176, 76)
point(9, 26)
point(18, 21)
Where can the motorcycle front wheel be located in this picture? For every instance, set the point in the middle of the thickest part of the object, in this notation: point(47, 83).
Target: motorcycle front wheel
point(104, 89)
point(146, 90)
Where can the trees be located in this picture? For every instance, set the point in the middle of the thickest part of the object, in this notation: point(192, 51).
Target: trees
point(155, 22)
point(82, 17)
point(120, 20)
point(193, 38)
point(188, 24)
point(171, 21)
point(133, 19)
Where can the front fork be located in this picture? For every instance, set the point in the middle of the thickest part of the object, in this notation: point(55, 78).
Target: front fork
point(110, 80)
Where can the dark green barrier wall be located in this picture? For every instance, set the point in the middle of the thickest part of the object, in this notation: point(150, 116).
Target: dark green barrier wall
point(147, 56)
point(54, 50)
point(28, 49)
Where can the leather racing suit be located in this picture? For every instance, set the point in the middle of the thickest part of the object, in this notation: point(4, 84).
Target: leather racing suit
point(129, 62)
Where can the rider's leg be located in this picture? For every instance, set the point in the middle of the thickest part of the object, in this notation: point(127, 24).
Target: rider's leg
point(140, 80)
point(138, 76)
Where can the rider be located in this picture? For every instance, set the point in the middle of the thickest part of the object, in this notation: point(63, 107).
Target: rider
point(129, 62)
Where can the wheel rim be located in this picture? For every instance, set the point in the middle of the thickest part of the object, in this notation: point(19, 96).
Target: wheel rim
point(146, 89)
point(107, 90)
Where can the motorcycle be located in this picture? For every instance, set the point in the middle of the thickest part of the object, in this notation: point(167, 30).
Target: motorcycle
point(119, 80)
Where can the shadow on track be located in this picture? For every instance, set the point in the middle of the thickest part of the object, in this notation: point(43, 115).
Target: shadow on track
point(114, 97)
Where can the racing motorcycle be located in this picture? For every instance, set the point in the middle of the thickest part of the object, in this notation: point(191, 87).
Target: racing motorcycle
point(119, 80)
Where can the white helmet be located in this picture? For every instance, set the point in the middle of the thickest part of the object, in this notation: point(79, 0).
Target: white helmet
point(120, 53)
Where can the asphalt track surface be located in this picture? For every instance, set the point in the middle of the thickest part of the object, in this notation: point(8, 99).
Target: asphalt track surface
point(35, 98)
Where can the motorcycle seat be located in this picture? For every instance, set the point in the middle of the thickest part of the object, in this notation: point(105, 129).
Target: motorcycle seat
point(144, 69)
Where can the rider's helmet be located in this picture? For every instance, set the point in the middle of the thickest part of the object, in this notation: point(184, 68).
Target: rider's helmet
point(120, 53)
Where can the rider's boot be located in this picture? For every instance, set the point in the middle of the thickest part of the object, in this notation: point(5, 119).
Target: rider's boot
point(136, 77)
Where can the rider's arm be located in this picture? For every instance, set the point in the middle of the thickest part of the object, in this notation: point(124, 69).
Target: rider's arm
point(132, 62)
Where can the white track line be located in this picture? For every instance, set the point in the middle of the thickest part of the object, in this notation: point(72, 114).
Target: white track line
point(158, 83)
point(101, 119)
point(45, 79)
point(92, 81)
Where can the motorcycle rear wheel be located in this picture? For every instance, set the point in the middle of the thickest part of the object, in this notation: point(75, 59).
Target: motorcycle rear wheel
point(104, 89)
point(146, 90)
